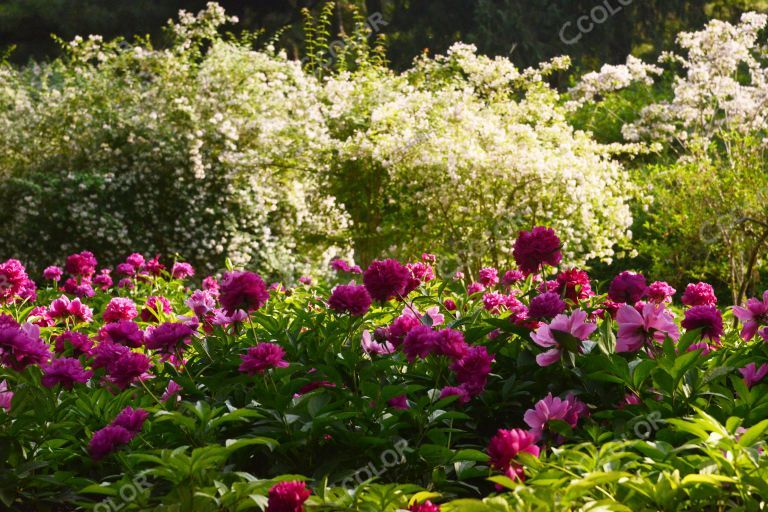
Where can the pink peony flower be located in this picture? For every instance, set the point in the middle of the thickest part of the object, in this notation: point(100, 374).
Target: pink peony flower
point(124, 332)
point(450, 343)
point(120, 308)
point(472, 370)
point(107, 440)
point(153, 308)
point(474, 288)
point(455, 391)
point(571, 330)
point(65, 371)
point(449, 304)
point(699, 294)
point(753, 316)
point(628, 287)
point(201, 302)
point(511, 277)
point(352, 299)
point(636, 328)
point(535, 248)
point(262, 357)
point(13, 280)
point(707, 318)
point(547, 305)
point(306, 280)
point(573, 284)
point(387, 279)
point(53, 273)
point(125, 269)
point(63, 308)
point(507, 444)
point(426, 506)
point(380, 348)
point(552, 408)
point(127, 368)
point(20, 345)
point(106, 353)
point(131, 419)
point(81, 265)
point(401, 326)
point(172, 390)
point(6, 396)
point(154, 266)
point(753, 375)
point(242, 290)
point(659, 292)
point(399, 402)
point(489, 276)
point(288, 497)
point(135, 260)
point(182, 270)
point(103, 280)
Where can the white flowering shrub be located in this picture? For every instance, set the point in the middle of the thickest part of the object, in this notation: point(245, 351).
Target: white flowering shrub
point(461, 152)
point(208, 154)
point(209, 149)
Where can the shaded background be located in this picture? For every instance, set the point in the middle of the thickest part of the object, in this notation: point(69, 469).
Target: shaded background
point(526, 30)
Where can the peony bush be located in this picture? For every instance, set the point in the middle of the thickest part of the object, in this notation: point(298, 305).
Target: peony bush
point(155, 386)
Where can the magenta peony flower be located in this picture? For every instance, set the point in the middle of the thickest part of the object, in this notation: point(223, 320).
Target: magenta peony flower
point(535, 248)
point(489, 276)
point(124, 332)
point(381, 347)
point(571, 330)
point(65, 371)
point(201, 302)
point(352, 299)
point(753, 375)
point(6, 396)
point(53, 273)
point(135, 260)
point(168, 337)
point(103, 280)
point(628, 287)
point(753, 316)
point(182, 270)
point(126, 269)
point(472, 370)
point(127, 369)
point(81, 265)
point(154, 266)
point(699, 294)
point(419, 342)
point(545, 306)
point(172, 390)
point(428, 258)
point(63, 308)
point(242, 290)
point(400, 327)
point(636, 328)
point(449, 304)
point(120, 308)
point(506, 444)
point(126, 284)
point(306, 280)
point(131, 419)
point(107, 440)
point(450, 343)
point(707, 318)
point(79, 342)
point(106, 353)
point(20, 345)
point(426, 506)
point(455, 391)
point(262, 357)
point(474, 288)
point(553, 408)
point(82, 289)
point(399, 402)
point(386, 279)
point(340, 265)
point(660, 292)
point(288, 497)
point(511, 277)
point(154, 307)
point(13, 280)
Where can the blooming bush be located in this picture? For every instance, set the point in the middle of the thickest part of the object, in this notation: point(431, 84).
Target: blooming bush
point(397, 389)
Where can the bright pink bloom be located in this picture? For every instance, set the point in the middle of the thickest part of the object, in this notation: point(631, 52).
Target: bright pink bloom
point(127, 368)
point(262, 357)
point(552, 408)
point(103, 280)
point(135, 260)
point(124, 332)
point(511, 277)
point(506, 445)
point(707, 318)
point(381, 347)
point(386, 279)
point(65, 371)
point(628, 287)
point(535, 248)
point(449, 304)
point(753, 316)
point(6, 396)
point(80, 343)
point(81, 265)
point(545, 306)
point(659, 292)
point(20, 345)
point(419, 342)
point(53, 273)
point(154, 307)
point(450, 343)
point(242, 290)
point(154, 266)
point(167, 337)
point(474, 288)
point(107, 440)
point(699, 294)
point(400, 327)
point(172, 390)
point(573, 284)
point(352, 299)
point(131, 419)
point(399, 402)
point(288, 497)
point(489, 276)
point(472, 370)
point(64, 308)
point(427, 506)
point(564, 328)
point(636, 328)
point(455, 391)
point(201, 302)
point(120, 308)
point(182, 270)
point(753, 375)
